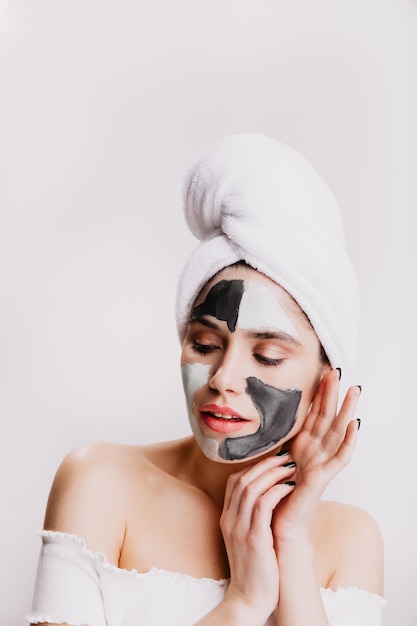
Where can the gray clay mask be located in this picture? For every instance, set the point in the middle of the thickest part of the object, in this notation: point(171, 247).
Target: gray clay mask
point(222, 302)
point(278, 410)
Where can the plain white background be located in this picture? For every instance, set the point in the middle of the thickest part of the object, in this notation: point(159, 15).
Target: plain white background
point(103, 106)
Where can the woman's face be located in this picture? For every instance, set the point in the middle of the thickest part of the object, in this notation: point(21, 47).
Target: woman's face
point(250, 366)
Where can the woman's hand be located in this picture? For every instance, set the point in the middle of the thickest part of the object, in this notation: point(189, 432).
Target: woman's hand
point(322, 448)
point(251, 497)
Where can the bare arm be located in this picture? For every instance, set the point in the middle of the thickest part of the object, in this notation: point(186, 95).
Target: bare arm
point(85, 500)
point(321, 450)
point(89, 487)
point(361, 559)
point(359, 565)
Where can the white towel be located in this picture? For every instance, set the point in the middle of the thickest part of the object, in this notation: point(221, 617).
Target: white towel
point(251, 198)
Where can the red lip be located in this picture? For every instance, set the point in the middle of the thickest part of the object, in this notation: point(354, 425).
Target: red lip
point(223, 410)
point(218, 424)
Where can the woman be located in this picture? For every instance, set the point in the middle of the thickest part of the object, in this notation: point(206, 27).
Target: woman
point(227, 526)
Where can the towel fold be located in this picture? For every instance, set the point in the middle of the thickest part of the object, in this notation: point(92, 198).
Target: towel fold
point(249, 197)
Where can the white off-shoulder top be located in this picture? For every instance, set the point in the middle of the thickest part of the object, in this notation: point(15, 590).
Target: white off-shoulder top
point(77, 586)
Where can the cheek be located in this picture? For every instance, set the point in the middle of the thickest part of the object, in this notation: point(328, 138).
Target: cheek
point(309, 391)
point(194, 376)
point(278, 410)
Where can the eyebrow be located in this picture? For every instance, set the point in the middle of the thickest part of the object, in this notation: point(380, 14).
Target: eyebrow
point(280, 335)
point(205, 322)
point(274, 334)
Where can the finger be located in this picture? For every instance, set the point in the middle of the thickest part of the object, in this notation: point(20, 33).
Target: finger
point(267, 503)
point(325, 405)
point(337, 432)
point(315, 407)
point(240, 479)
point(345, 450)
point(350, 403)
point(246, 492)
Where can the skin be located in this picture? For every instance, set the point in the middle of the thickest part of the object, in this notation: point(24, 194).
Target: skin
point(277, 542)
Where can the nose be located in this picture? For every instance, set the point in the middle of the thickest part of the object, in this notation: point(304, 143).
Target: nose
point(228, 374)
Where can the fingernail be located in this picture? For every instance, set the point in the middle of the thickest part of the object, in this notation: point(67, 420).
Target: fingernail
point(339, 369)
point(282, 453)
point(359, 422)
point(291, 483)
point(290, 464)
point(360, 388)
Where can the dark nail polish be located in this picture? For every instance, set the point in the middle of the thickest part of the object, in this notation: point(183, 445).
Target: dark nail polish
point(291, 483)
point(282, 453)
point(359, 422)
point(339, 369)
point(290, 464)
point(359, 387)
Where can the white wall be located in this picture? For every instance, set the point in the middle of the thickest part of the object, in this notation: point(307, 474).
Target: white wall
point(103, 105)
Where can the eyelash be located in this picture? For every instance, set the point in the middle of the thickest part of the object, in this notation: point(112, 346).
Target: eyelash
point(203, 348)
point(266, 362)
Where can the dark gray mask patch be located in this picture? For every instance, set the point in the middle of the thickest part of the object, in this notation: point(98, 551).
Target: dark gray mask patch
point(222, 302)
point(278, 410)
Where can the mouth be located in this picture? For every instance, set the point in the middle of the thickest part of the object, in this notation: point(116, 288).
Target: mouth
point(222, 419)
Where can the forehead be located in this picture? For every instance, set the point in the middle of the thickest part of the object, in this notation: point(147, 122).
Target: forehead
point(250, 278)
point(246, 299)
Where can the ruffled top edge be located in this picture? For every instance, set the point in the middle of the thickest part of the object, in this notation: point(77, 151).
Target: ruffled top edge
point(100, 557)
point(379, 601)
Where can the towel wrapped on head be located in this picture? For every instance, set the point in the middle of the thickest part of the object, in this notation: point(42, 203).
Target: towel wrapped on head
point(251, 198)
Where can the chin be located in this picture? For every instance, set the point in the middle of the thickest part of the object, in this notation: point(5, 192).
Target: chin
point(218, 450)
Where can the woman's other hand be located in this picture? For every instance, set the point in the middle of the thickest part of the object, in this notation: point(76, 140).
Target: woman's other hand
point(320, 450)
point(251, 497)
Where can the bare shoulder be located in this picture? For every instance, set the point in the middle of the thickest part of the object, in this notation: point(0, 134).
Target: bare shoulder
point(357, 546)
point(90, 494)
point(347, 517)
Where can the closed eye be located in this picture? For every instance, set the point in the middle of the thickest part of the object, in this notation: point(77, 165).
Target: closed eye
point(203, 348)
point(264, 360)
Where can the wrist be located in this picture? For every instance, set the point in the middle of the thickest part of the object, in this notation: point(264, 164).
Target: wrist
point(238, 612)
point(297, 543)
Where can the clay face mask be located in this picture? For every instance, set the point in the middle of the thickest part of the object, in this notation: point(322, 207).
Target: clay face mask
point(222, 302)
point(277, 409)
point(254, 307)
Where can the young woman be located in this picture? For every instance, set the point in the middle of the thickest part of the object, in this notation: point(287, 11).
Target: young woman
point(227, 526)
